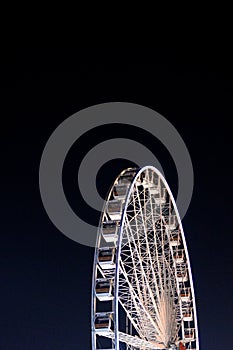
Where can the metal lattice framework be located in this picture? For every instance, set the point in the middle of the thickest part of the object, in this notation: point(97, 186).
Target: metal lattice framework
point(142, 291)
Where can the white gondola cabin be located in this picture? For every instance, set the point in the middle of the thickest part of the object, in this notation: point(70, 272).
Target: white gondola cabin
point(182, 277)
point(127, 177)
point(114, 209)
point(160, 198)
point(106, 258)
point(179, 255)
point(171, 222)
point(150, 185)
point(110, 230)
point(185, 294)
point(187, 314)
point(153, 190)
point(120, 190)
point(189, 333)
point(174, 238)
point(103, 289)
point(104, 323)
point(182, 274)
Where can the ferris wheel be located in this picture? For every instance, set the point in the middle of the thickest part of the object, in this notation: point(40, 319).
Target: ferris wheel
point(142, 288)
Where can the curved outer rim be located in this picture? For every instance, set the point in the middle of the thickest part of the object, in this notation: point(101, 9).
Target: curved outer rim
point(116, 287)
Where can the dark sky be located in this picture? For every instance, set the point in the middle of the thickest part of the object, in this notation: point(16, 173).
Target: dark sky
point(45, 277)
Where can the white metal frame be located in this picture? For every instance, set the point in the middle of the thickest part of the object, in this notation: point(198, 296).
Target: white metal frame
point(147, 277)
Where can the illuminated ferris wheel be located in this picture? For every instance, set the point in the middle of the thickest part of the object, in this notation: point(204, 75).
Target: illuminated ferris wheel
point(142, 289)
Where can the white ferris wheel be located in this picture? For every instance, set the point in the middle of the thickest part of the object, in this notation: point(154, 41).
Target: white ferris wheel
point(142, 289)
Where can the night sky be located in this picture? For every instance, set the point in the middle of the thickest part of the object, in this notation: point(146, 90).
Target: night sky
point(45, 277)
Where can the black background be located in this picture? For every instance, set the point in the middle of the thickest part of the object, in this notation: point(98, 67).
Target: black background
point(45, 277)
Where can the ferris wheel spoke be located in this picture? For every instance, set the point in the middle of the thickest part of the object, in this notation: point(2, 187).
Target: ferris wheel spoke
point(152, 270)
point(150, 304)
point(137, 342)
point(138, 314)
point(148, 250)
point(135, 251)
